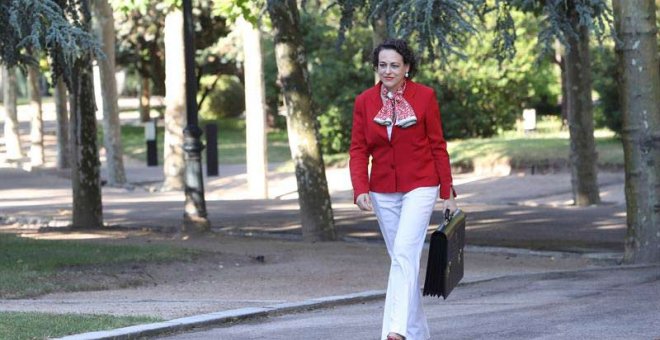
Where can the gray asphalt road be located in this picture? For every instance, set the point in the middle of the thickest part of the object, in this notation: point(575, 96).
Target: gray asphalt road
point(615, 303)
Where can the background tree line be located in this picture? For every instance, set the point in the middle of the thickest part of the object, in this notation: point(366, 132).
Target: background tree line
point(478, 95)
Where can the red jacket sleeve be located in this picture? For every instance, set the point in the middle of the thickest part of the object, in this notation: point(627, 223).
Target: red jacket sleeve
point(358, 152)
point(439, 147)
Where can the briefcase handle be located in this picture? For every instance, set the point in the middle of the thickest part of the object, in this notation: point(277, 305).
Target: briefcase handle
point(449, 214)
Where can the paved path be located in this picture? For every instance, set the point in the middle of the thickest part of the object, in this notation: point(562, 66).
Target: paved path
point(511, 211)
point(611, 303)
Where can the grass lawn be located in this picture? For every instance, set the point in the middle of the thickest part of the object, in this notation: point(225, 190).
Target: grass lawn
point(33, 267)
point(231, 143)
point(547, 145)
point(44, 325)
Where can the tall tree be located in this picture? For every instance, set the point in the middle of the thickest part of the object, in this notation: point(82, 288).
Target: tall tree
point(61, 29)
point(145, 98)
point(571, 22)
point(175, 102)
point(12, 137)
point(380, 30)
point(36, 122)
point(255, 111)
point(105, 31)
point(579, 109)
point(302, 125)
point(62, 121)
point(85, 170)
point(635, 23)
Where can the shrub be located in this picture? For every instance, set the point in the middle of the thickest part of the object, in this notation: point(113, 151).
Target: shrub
point(226, 99)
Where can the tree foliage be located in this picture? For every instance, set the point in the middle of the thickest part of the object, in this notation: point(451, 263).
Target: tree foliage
point(140, 39)
point(53, 26)
point(595, 15)
point(448, 28)
point(250, 10)
point(478, 95)
point(440, 27)
point(337, 75)
point(443, 27)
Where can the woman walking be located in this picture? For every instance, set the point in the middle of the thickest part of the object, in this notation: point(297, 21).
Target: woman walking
point(397, 124)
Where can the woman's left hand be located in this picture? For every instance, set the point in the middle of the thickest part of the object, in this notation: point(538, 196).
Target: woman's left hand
point(449, 203)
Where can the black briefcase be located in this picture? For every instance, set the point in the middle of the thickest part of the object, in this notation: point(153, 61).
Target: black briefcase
point(445, 265)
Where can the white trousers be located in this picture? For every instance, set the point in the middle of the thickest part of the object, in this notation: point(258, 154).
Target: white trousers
point(403, 219)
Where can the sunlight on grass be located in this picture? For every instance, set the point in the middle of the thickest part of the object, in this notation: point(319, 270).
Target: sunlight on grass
point(18, 325)
point(550, 143)
point(231, 142)
point(31, 267)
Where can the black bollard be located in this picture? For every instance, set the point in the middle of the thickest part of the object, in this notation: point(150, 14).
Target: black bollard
point(211, 149)
point(150, 135)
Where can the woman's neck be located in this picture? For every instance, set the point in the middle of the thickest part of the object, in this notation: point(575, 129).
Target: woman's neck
point(395, 87)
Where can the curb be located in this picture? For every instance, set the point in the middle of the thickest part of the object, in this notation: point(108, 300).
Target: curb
point(242, 314)
point(588, 253)
point(224, 317)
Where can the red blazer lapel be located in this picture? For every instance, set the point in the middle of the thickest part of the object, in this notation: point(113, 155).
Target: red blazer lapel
point(409, 95)
point(411, 90)
point(375, 104)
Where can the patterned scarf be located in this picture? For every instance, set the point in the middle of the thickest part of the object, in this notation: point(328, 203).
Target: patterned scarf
point(396, 109)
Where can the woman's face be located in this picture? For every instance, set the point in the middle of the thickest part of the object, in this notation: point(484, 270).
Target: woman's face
point(391, 69)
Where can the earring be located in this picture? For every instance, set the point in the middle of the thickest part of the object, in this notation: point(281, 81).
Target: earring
point(406, 74)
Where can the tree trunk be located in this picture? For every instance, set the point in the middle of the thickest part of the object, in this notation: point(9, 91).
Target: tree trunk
point(380, 31)
point(145, 95)
point(12, 136)
point(560, 61)
point(639, 87)
point(36, 125)
point(157, 71)
point(175, 102)
point(313, 196)
point(583, 154)
point(105, 30)
point(62, 113)
point(255, 113)
point(85, 170)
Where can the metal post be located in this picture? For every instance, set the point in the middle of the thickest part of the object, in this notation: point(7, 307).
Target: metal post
point(194, 217)
point(211, 149)
point(151, 137)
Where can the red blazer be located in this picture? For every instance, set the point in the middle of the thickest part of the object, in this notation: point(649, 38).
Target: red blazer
point(415, 157)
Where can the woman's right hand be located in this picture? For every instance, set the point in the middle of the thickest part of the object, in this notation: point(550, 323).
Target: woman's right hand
point(363, 201)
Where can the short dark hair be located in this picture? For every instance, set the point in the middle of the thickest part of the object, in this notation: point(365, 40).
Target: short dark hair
point(401, 47)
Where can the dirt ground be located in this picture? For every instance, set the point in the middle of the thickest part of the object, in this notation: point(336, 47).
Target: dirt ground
point(236, 272)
